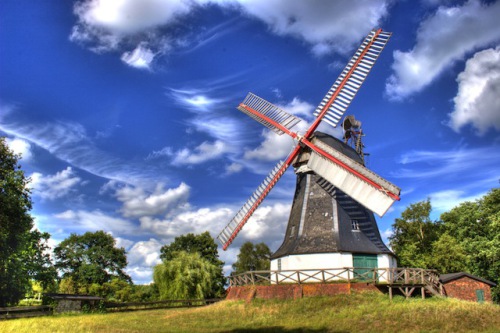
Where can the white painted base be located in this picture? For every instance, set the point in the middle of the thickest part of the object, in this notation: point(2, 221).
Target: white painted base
point(335, 266)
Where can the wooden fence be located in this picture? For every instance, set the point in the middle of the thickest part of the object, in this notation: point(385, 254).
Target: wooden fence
point(44, 310)
point(25, 311)
point(388, 276)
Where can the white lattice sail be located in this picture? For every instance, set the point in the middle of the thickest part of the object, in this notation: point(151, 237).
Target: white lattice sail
point(254, 106)
point(352, 77)
point(234, 226)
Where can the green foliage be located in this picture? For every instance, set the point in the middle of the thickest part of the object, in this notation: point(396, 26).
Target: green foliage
point(252, 257)
point(414, 234)
point(23, 251)
point(476, 227)
point(185, 276)
point(467, 238)
point(205, 246)
point(448, 255)
point(88, 259)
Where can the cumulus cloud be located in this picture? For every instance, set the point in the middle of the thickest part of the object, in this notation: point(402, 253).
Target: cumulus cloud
point(114, 25)
point(274, 146)
point(55, 186)
point(478, 99)
point(322, 24)
point(196, 221)
point(144, 254)
point(107, 24)
point(138, 202)
point(445, 37)
point(141, 57)
point(204, 152)
point(20, 146)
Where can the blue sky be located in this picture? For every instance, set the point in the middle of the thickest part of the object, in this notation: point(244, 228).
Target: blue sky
point(124, 111)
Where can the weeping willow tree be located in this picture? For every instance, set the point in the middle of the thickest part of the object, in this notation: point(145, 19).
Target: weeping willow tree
point(185, 276)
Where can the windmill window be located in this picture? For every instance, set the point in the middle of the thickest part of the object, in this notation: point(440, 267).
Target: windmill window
point(292, 232)
point(354, 224)
point(279, 264)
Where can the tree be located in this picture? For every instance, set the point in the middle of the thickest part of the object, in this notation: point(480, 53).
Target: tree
point(252, 258)
point(476, 227)
point(414, 234)
point(205, 246)
point(91, 258)
point(22, 250)
point(185, 276)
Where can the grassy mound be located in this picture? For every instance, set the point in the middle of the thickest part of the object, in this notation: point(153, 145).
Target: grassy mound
point(364, 312)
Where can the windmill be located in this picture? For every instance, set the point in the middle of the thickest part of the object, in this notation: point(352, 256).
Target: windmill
point(331, 219)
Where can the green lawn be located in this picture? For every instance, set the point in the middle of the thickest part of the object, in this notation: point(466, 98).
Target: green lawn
point(366, 312)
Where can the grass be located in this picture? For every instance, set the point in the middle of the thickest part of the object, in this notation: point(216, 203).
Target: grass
point(363, 312)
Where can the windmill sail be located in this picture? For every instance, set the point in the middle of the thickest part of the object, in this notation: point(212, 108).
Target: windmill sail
point(340, 95)
point(228, 234)
point(268, 114)
point(361, 184)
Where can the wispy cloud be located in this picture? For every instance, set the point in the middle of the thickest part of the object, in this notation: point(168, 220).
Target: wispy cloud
point(55, 186)
point(69, 142)
point(443, 38)
point(463, 163)
point(80, 221)
point(444, 201)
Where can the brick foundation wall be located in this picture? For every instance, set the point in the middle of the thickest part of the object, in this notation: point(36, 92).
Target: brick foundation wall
point(465, 288)
point(293, 291)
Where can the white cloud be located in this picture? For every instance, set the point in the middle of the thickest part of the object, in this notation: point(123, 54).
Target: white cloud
point(144, 254)
point(204, 152)
point(194, 100)
point(108, 24)
point(56, 186)
point(478, 99)
point(79, 221)
point(319, 23)
point(442, 39)
point(465, 163)
point(444, 201)
point(141, 57)
point(137, 202)
point(20, 146)
point(275, 147)
point(70, 142)
point(233, 168)
point(197, 221)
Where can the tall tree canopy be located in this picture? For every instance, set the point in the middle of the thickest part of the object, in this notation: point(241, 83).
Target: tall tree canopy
point(466, 239)
point(476, 227)
point(91, 258)
point(205, 246)
point(253, 257)
point(22, 250)
point(414, 233)
point(185, 276)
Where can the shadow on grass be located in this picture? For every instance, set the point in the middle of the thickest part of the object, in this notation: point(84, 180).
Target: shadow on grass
point(279, 329)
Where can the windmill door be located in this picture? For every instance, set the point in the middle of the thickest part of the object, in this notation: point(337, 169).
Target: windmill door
point(365, 266)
